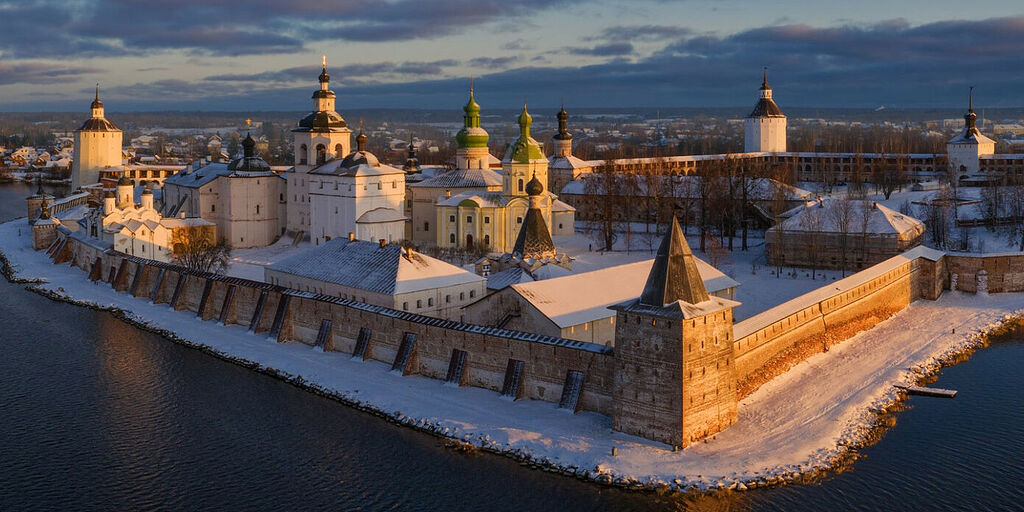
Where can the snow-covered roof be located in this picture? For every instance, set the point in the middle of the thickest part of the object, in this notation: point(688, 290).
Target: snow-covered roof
point(585, 297)
point(210, 172)
point(823, 216)
point(381, 215)
point(463, 178)
point(568, 162)
point(561, 206)
point(970, 135)
point(368, 266)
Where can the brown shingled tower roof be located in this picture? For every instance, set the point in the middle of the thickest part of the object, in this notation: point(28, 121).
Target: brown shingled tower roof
point(674, 276)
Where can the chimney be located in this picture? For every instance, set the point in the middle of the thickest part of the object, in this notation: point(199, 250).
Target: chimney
point(408, 253)
point(383, 242)
point(351, 236)
point(447, 194)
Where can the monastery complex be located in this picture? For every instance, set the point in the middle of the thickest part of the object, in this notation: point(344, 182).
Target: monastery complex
point(654, 344)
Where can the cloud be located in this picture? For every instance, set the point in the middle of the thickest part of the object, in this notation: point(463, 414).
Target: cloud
point(41, 73)
point(639, 33)
point(518, 44)
point(493, 62)
point(603, 50)
point(358, 73)
point(52, 28)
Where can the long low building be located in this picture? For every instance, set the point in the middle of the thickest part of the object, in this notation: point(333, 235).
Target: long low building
point(380, 274)
point(576, 306)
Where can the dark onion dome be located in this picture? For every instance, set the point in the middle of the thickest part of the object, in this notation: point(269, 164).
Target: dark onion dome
point(249, 161)
point(324, 77)
point(563, 125)
point(321, 121)
point(412, 164)
point(360, 156)
point(125, 181)
point(534, 187)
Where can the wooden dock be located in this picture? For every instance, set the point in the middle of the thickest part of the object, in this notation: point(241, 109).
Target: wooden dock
point(923, 391)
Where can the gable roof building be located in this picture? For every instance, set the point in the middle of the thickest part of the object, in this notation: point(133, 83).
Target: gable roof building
point(381, 274)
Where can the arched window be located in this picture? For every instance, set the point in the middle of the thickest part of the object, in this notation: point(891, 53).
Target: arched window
point(487, 240)
point(338, 150)
point(520, 184)
point(451, 238)
point(303, 155)
point(321, 154)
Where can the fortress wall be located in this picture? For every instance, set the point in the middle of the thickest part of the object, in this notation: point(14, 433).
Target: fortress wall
point(769, 343)
point(487, 358)
point(488, 350)
point(1005, 271)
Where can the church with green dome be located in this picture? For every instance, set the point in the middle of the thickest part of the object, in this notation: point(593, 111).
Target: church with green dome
point(490, 218)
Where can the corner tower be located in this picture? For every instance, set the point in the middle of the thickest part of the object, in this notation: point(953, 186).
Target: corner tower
point(97, 147)
point(764, 129)
point(675, 378)
point(472, 140)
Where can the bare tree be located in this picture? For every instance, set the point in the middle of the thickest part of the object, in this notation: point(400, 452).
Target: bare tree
point(197, 248)
point(842, 213)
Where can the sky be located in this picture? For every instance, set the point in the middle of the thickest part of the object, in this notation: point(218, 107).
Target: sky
point(245, 55)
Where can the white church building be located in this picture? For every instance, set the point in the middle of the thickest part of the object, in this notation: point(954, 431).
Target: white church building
point(356, 194)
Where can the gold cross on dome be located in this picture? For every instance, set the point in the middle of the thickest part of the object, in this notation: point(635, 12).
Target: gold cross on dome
point(248, 122)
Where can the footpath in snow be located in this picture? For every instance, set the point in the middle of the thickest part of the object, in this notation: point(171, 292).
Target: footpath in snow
point(800, 421)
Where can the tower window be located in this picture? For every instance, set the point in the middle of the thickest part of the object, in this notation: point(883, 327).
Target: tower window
point(487, 220)
point(426, 226)
point(520, 185)
point(469, 219)
point(451, 238)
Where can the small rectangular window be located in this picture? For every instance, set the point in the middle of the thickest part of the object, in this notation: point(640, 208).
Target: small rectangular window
point(451, 218)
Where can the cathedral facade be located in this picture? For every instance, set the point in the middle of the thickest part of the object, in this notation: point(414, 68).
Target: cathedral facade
point(492, 220)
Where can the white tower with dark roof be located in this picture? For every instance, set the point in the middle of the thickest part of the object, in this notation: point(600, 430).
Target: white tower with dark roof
point(97, 147)
point(765, 128)
point(966, 149)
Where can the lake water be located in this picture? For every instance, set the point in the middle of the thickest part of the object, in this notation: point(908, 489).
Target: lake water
point(98, 415)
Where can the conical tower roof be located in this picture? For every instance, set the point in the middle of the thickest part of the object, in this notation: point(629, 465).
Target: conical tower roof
point(674, 276)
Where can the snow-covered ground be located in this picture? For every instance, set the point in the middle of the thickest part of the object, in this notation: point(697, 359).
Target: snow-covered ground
point(801, 420)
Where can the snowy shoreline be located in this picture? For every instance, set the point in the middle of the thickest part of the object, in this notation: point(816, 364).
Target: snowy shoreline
point(787, 429)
